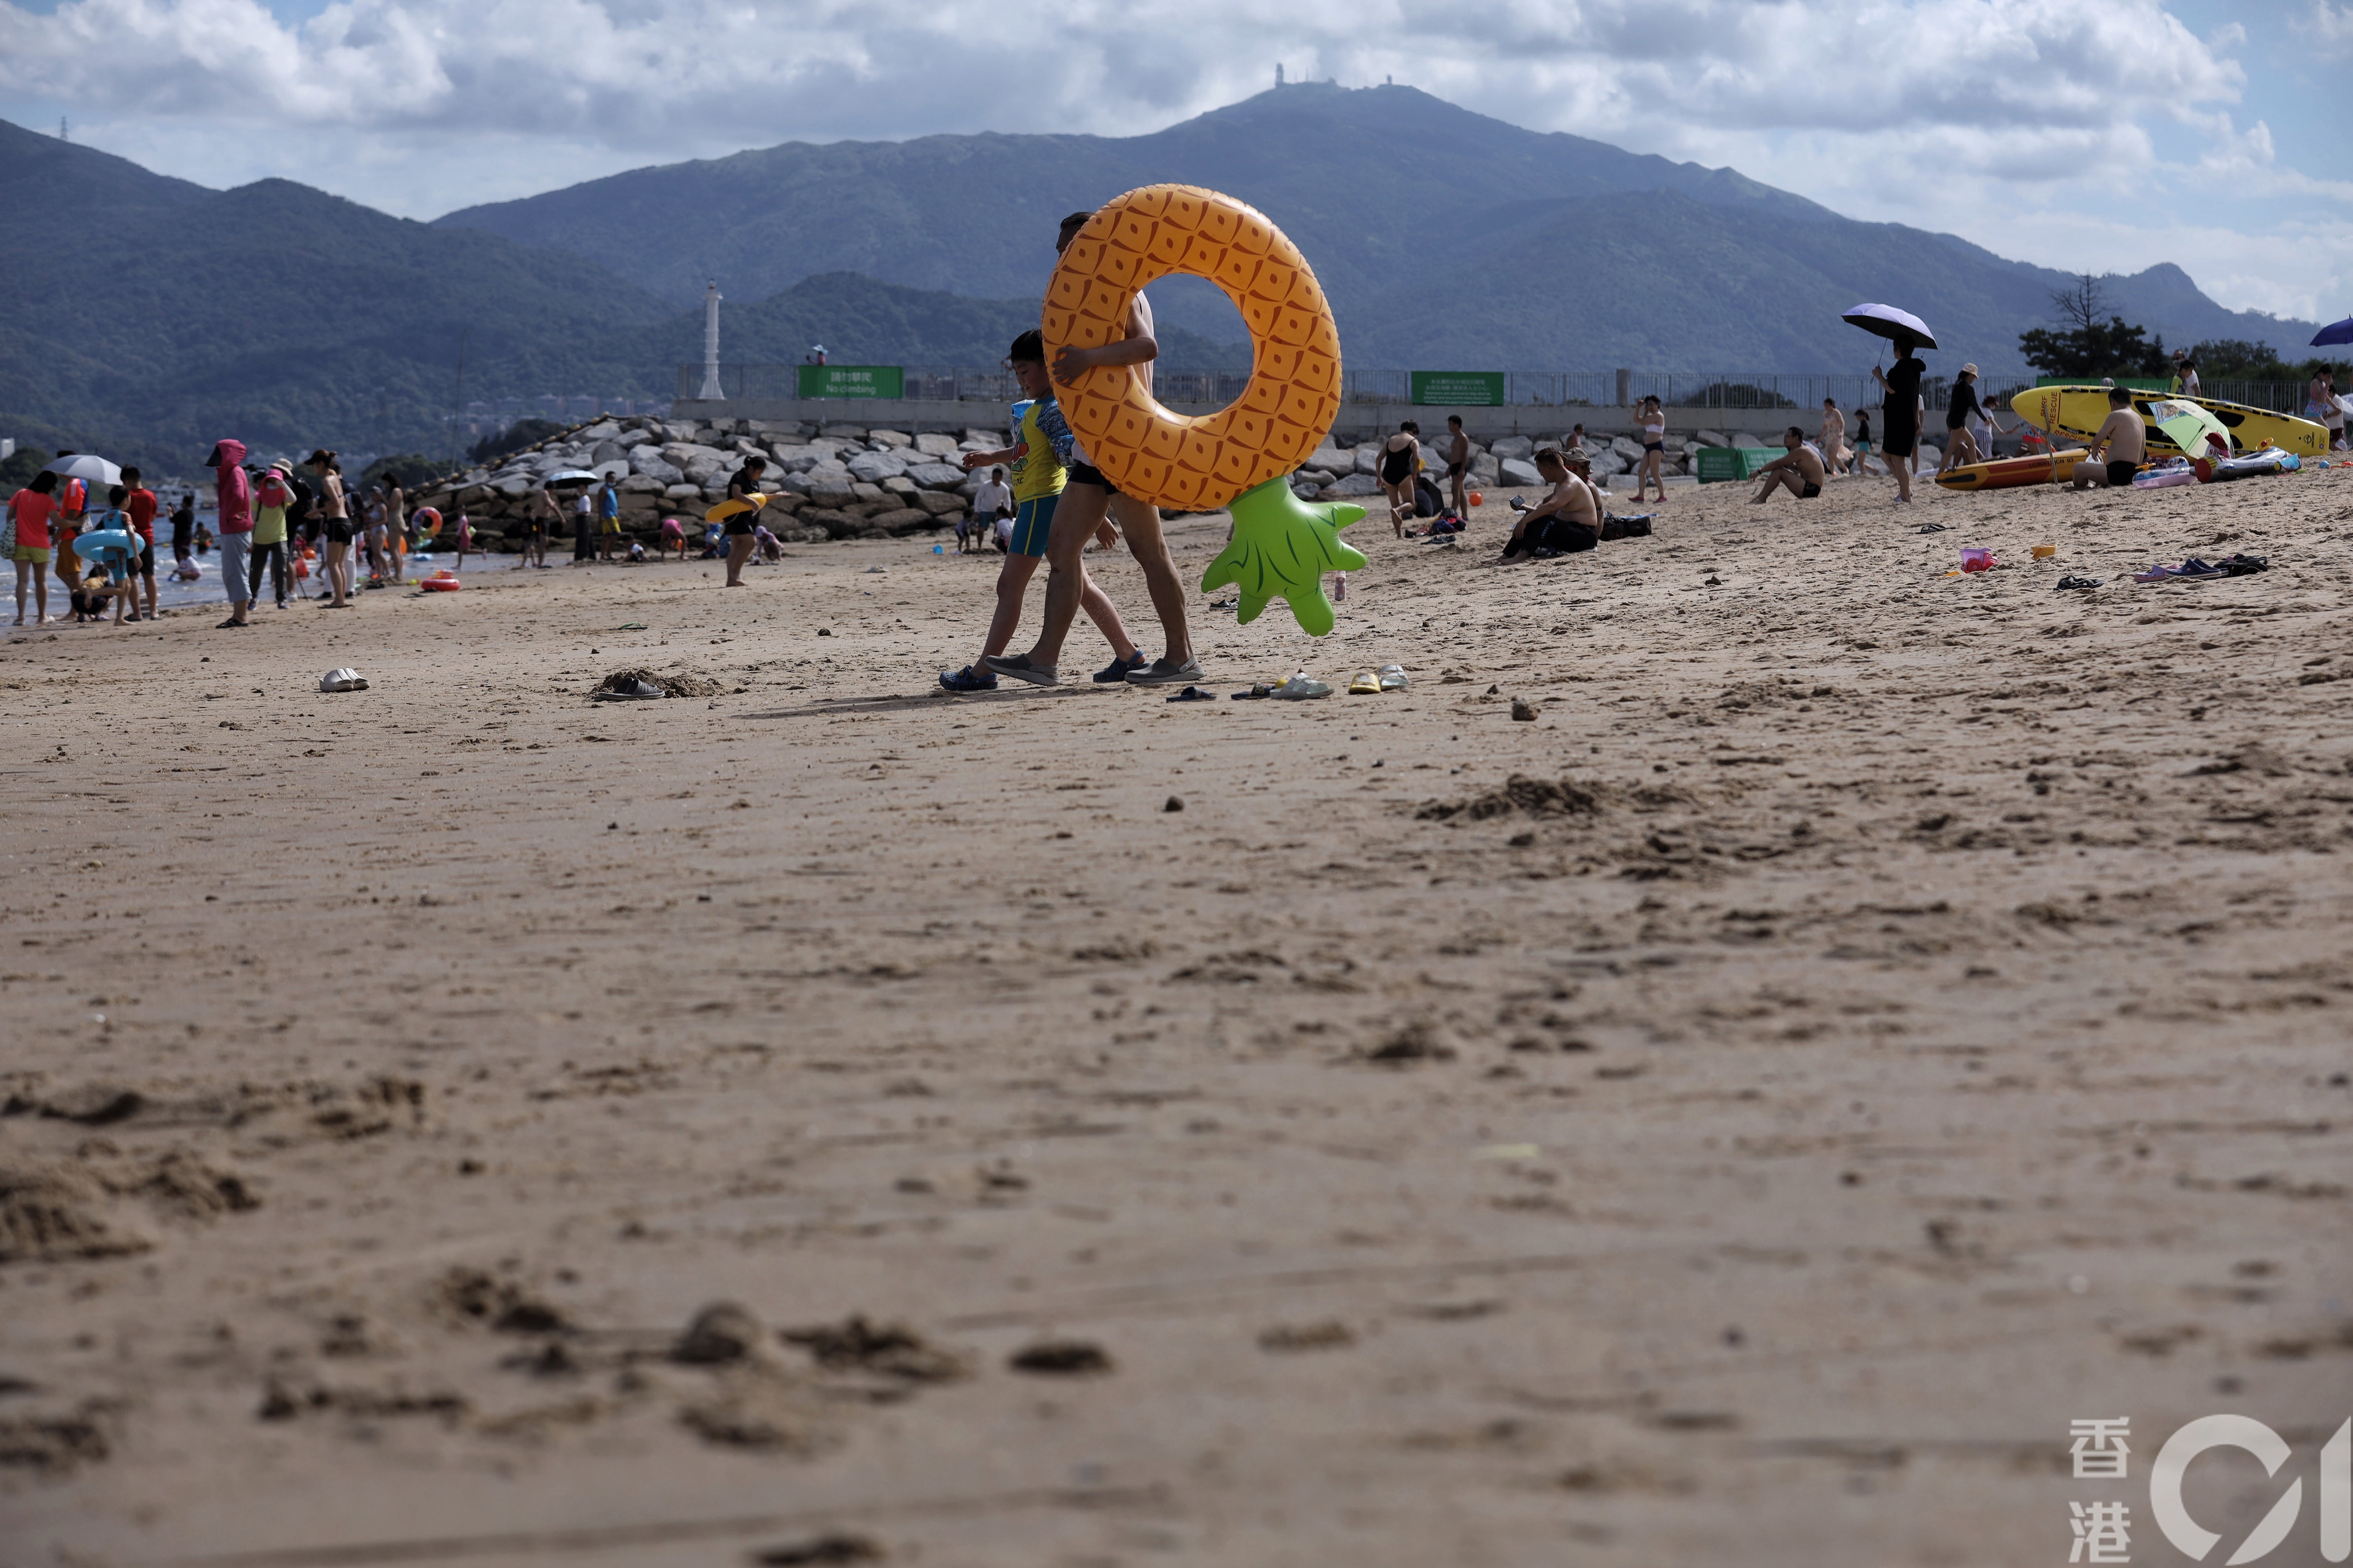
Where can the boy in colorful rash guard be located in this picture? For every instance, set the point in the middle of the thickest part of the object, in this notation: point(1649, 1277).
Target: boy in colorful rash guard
point(1042, 444)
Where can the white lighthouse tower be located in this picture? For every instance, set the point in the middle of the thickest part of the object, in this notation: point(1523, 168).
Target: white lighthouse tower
point(711, 387)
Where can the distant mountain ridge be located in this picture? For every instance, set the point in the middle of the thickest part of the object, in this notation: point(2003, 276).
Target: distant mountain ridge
point(1446, 239)
point(1440, 234)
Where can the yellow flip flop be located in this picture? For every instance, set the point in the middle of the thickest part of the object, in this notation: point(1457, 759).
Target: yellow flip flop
point(1366, 685)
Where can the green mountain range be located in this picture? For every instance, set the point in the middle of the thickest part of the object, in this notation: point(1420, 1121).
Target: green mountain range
point(1443, 237)
point(174, 314)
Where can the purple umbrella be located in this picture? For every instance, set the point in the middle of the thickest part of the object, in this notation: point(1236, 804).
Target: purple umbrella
point(1887, 322)
point(2340, 332)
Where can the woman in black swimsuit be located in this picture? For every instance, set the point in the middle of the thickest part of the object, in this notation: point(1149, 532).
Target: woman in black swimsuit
point(1400, 460)
point(744, 487)
point(1960, 446)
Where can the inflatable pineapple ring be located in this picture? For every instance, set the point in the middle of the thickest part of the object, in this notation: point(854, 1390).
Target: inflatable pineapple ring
point(1240, 455)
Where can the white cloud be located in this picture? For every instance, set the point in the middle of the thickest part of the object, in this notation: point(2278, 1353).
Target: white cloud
point(2329, 26)
point(1982, 117)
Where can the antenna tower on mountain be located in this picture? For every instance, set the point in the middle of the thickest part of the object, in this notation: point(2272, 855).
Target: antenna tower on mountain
point(1278, 73)
point(61, 130)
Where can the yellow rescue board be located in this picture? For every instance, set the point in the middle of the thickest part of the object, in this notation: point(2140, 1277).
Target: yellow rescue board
point(2078, 411)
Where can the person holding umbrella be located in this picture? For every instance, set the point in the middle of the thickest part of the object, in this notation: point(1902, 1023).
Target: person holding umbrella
point(1899, 414)
point(76, 471)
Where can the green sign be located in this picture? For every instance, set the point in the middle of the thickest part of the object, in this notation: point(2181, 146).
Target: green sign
point(852, 380)
point(1458, 388)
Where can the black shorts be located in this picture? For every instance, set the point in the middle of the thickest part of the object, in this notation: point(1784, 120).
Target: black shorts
point(1088, 474)
point(339, 530)
point(1811, 490)
point(740, 526)
point(1899, 441)
point(147, 561)
point(2121, 473)
point(1654, 446)
point(1454, 470)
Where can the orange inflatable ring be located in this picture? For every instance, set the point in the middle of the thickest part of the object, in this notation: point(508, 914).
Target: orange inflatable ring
point(1293, 397)
point(442, 582)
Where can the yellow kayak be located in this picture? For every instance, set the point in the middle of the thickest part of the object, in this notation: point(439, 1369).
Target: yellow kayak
point(2079, 410)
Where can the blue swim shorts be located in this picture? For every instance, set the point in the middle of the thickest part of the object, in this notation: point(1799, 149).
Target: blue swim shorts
point(1033, 520)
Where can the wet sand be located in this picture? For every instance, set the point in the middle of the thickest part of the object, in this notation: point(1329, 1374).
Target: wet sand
point(1866, 1020)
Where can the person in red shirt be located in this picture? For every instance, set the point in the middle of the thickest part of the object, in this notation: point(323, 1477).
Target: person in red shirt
point(139, 505)
point(29, 515)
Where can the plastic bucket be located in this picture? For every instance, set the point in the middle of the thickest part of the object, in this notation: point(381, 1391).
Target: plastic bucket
point(1974, 560)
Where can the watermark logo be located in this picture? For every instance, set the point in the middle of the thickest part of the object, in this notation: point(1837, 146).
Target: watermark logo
point(2102, 1529)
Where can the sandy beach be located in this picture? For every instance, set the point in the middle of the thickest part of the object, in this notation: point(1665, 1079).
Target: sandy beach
point(1866, 1020)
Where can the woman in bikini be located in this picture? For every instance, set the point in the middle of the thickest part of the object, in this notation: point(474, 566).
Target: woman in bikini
point(1654, 450)
point(336, 522)
point(1400, 462)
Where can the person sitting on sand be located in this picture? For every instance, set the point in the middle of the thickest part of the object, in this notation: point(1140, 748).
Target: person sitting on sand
point(1568, 518)
point(1801, 471)
point(2118, 450)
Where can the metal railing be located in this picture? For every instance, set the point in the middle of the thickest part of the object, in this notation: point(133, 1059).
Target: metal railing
point(1557, 389)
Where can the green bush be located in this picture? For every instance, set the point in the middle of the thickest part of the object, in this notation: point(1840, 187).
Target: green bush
point(17, 471)
point(414, 468)
point(513, 438)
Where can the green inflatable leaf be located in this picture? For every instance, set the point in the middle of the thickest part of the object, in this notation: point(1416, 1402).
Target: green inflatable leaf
point(1281, 549)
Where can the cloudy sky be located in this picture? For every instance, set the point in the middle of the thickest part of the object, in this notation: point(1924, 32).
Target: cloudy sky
point(2108, 135)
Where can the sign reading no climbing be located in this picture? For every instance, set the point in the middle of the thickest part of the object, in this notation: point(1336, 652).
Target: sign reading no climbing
point(852, 380)
point(1458, 388)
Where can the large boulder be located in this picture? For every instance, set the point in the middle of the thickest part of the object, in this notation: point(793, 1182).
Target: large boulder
point(842, 432)
point(603, 430)
point(937, 476)
point(837, 523)
point(609, 452)
point(684, 492)
point(1519, 471)
point(940, 504)
point(1483, 467)
point(1314, 479)
point(1626, 448)
point(875, 466)
point(1513, 446)
point(1352, 485)
point(686, 454)
point(905, 520)
point(1712, 438)
point(639, 484)
point(1331, 459)
point(892, 438)
point(936, 444)
point(902, 487)
point(514, 486)
point(1367, 459)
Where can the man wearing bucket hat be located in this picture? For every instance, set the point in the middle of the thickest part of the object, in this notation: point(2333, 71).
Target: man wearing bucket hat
point(1960, 410)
